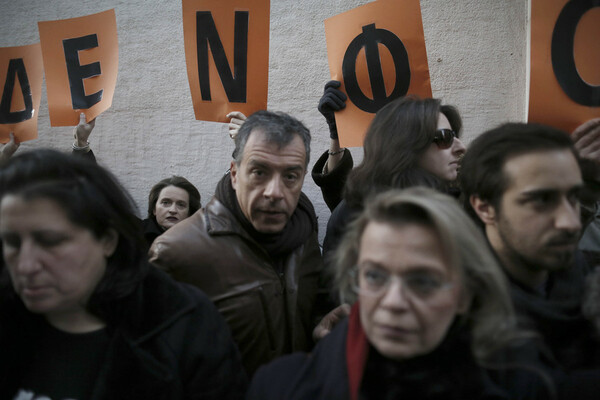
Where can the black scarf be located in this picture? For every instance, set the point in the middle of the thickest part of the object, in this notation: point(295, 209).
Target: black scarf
point(298, 229)
point(557, 315)
point(449, 372)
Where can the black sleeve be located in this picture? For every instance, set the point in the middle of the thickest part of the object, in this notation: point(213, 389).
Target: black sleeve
point(332, 183)
point(341, 216)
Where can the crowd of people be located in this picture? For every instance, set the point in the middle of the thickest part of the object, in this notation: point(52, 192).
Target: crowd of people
point(445, 273)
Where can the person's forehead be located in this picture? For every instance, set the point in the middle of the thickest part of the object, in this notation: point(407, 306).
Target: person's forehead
point(443, 122)
point(173, 192)
point(400, 246)
point(260, 148)
point(549, 169)
point(52, 211)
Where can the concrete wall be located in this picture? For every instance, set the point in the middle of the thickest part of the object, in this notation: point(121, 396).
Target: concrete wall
point(476, 51)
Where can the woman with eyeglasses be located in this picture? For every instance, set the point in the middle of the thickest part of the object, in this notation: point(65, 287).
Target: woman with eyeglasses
point(431, 312)
point(410, 142)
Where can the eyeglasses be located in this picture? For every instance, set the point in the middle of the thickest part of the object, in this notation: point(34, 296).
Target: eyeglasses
point(374, 281)
point(444, 138)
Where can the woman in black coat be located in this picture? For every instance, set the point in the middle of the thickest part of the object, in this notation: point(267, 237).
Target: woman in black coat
point(82, 314)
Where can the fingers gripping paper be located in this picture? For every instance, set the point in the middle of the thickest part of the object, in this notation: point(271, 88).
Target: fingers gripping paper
point(378, 53)
point(565, 62)
point(227, 56)
point(81, 60)
point(21, 85)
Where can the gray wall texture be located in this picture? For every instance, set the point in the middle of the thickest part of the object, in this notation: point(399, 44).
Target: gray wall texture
point(476, 52)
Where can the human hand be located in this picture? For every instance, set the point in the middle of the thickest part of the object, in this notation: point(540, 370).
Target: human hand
point(587, 140)
point(330, 320)
point(8, 149)
point(237, 119)
point(82, 131)
point(332, 100)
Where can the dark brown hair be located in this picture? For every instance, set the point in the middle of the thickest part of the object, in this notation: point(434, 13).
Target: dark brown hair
point(397, 137)
point(177, 181)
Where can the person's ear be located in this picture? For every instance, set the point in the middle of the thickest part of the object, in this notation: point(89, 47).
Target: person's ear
point(233, 171)
point(484, 210)
point(109, 242)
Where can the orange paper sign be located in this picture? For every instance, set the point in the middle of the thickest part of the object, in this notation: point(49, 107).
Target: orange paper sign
point(565, 63)
point(378, 53)
point(227, 56)
point(81, 60)
point(21, 83)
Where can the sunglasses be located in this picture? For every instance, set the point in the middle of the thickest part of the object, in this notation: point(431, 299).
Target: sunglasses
point(444, 138)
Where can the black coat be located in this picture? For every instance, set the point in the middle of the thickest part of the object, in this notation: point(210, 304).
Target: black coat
point(171, 344)
point(332, 183)
point(324, 374)
point(556, 315)
point(151, 230)
point(337, 225)
point(566, 343)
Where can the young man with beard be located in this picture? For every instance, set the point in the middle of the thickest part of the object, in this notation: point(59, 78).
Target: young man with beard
point(523, 183)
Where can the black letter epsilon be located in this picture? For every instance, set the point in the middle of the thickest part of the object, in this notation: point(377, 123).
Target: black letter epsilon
point(77, 72)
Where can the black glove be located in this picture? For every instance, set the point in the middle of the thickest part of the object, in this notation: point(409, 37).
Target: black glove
point(331, 101)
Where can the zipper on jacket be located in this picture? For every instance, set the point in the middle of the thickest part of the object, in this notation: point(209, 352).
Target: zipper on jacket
point(269, 325)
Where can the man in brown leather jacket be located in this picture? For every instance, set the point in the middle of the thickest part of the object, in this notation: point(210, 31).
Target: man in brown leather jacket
point(253, 249)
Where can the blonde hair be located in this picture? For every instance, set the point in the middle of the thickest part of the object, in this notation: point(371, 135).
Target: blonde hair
point(490, 317)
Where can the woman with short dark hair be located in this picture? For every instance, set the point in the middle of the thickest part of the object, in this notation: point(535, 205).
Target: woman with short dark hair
point(170, 201)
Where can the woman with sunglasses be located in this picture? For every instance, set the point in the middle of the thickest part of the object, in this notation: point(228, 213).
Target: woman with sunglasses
point(410, 142)
point(431, 314)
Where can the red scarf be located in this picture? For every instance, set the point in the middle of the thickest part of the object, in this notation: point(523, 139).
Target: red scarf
point(357, 350)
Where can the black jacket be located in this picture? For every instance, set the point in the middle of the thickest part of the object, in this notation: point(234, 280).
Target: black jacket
point(566, 343)
point(337, 225)
point(170, 344)
point(151, 230)
point(332, 183)
point(333, 371)
point(556, 315)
